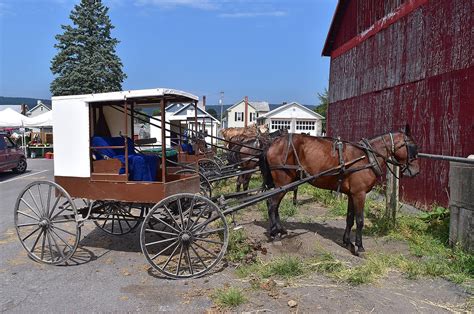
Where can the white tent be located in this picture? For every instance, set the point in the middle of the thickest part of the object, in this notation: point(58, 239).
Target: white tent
point(43, 120)
point(9, 118)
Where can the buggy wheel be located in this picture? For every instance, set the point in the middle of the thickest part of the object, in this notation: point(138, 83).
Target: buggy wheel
point(46, 222)
point(117, 218)
point(209, 167)
point(188, 238)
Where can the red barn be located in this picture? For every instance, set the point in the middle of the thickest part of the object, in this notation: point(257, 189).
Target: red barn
point(405, 61)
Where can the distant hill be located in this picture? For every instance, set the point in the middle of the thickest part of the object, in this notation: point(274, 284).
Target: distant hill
point(31, 102)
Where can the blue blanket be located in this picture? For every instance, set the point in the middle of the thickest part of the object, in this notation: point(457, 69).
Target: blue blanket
point(140, 167)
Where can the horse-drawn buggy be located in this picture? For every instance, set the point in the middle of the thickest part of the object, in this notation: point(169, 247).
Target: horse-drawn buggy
point(102, 175)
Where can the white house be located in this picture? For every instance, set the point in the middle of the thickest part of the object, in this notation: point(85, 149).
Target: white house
point(236, 113)
point(181, 117)
point(40, 108)
point(294, 117)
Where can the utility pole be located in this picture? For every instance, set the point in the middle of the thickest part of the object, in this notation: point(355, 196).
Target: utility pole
point(221, 102)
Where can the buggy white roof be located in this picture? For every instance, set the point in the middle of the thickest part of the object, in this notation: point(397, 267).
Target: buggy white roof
point(71, 124)
point(122, 95)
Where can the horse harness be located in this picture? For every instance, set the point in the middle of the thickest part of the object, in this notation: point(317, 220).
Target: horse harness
point(338, 146)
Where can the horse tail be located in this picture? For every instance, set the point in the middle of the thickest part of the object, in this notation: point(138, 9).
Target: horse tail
point(265, 170)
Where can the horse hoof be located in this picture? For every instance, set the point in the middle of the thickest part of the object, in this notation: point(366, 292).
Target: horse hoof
point(360, 249)
point(351, 248)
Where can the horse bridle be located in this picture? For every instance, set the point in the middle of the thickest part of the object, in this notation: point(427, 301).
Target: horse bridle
point(412, 153)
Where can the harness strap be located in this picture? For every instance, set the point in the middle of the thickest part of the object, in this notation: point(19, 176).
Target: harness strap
point(373, 161)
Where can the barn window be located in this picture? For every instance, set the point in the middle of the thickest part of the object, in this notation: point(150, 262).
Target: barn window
point(305, 125)
point(280, 124)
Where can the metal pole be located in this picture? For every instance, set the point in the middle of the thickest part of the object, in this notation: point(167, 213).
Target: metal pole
point(221, 102)
point(447, 158)
point(125, 140)
point(163, 141)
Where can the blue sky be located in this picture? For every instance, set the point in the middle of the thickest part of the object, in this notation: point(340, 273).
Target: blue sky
point(265, 49)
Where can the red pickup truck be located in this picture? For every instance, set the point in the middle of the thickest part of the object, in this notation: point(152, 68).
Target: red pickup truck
point(11, 157)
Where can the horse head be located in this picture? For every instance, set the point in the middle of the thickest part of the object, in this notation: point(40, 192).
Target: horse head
point(405, 151)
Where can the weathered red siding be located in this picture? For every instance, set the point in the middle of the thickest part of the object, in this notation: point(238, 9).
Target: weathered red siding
point(418, 70)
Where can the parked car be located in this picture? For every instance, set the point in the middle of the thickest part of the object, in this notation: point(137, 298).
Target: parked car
point(11, 157)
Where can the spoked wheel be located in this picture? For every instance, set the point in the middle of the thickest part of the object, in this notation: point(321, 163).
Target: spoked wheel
point(117, 218)
point(46, 222)
point(188, 238)
point(209, 167)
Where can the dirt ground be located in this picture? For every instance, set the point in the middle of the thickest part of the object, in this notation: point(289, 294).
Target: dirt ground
point(317, 293)
point(112, 275)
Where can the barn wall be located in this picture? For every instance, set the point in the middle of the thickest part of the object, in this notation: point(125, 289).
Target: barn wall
point(419, 70)
point(360, 15)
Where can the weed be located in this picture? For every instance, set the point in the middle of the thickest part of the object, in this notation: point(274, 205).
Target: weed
point(287, 209)
point(230, 297)
point(239, 246)
point(337, 205)
point(285, 267)
point(326, 264)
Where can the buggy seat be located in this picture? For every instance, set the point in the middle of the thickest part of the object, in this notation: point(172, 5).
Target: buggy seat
point(141, 167)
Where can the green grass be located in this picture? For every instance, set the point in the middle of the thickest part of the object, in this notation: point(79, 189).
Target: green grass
point(239, 246)
point(337, 205)
point(229, 297)
point(284, 267)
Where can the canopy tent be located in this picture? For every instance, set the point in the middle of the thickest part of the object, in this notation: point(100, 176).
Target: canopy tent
point(9, 118)
point(42, 120)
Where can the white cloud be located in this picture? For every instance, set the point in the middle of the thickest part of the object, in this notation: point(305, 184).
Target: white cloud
point(252, 14)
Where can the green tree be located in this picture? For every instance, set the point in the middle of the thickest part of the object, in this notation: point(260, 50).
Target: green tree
point(86, 61)
point(322, 108)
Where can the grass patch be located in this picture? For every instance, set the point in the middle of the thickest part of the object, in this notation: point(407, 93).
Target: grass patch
point(229, 297)
point(326, 264)
point(284, 267)
point(287, 208)
point(337, 205)
point(239, 246)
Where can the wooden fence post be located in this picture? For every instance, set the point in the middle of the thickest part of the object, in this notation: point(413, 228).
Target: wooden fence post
point(392, 194)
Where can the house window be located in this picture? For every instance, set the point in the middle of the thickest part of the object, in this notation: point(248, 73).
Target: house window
point(252, 116)
point(280, 124)
point(239, 116)
point(305, 125)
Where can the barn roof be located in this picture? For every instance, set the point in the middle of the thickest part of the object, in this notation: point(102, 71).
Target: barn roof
point(333, 29)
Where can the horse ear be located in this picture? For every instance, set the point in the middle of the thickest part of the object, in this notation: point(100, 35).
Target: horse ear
point(407, 130)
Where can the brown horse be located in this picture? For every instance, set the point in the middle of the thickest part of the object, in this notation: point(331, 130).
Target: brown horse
point(294, 156)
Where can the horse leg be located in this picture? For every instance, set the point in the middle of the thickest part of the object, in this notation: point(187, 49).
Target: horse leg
point(359, 202)
point(247, 178)
point(295, 196)
point(346, 240)
point(273, 204)
point(239, 182)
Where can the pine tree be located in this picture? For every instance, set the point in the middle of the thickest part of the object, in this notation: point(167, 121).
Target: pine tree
point(86, 61)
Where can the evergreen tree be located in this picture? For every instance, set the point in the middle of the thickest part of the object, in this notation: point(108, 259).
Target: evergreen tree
point(322, 108)
point(86, 61)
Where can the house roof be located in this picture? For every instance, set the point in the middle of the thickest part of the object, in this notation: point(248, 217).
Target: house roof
point(334, 28)
point(288, 105)
point(201, 112)
point(260, 106)
point(39, 105)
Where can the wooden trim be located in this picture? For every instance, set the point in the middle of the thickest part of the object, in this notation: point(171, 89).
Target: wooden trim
point(380, 25)
point(111, 166)
point(108, 177)
point(136, 192)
